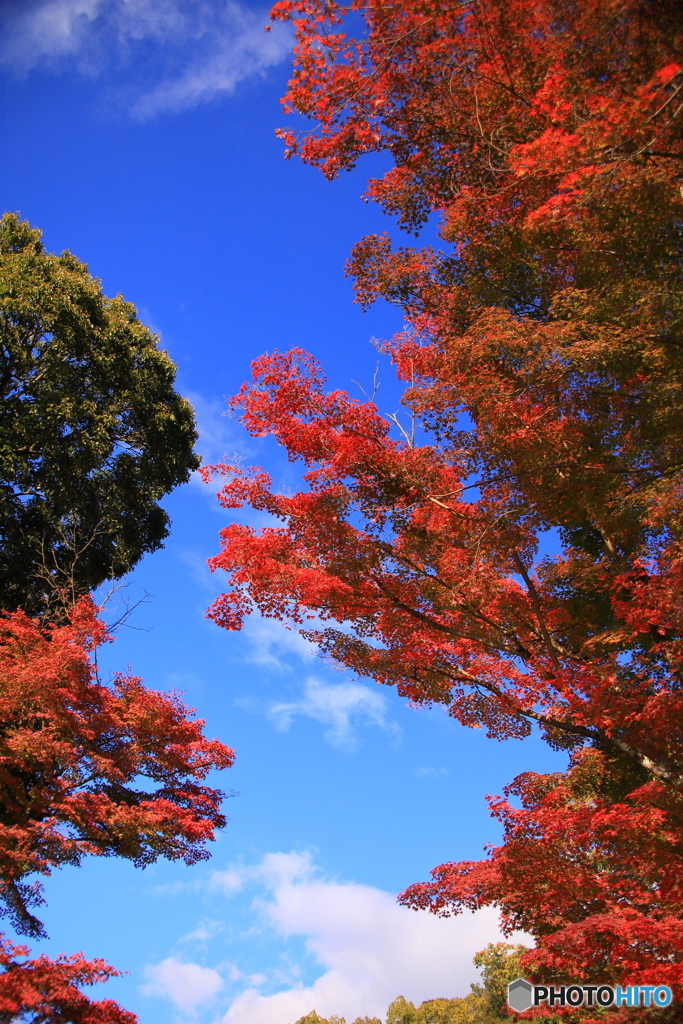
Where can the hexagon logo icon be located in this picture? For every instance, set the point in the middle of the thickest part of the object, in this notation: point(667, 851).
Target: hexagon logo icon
point(520, 995)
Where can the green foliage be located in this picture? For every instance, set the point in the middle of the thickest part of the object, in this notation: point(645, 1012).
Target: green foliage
point(465, 1010)
point(314, 1018)
point(92, 432)
point(499, 965)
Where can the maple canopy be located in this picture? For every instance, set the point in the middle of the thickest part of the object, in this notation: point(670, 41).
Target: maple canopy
point(420, 563)
point(546, 135)
point(590, 864)
point(513, 553)
point(89, 768)
point(423, 583)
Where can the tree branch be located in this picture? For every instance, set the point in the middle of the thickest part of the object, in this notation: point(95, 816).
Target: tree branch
point(533, 594)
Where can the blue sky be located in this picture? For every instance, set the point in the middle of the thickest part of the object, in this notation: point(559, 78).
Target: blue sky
point(140, 135)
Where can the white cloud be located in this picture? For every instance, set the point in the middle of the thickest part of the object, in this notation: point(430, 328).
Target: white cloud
point(164, 55)
point(430, 773)
point(285, 869)
point(274, 870)
point(231, 880)
point(369, 948)
point(187, 985)
point(338, 706)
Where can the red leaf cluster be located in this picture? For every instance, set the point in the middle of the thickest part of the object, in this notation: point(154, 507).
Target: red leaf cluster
point(497, 110)
point(89, 768)
point(435, 587)
point(590, 865)
point(45, 991)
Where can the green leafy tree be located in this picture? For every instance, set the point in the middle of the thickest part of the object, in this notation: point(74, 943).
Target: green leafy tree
point(499, 964)
point(92, 432)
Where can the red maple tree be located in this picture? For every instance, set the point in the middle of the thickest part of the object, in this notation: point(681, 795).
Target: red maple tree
point(437, 583)
point(426, 584)
point(90, 768)
point(87, 768)
point(543, 364)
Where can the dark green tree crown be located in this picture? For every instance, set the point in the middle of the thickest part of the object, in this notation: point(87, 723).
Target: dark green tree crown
point(92, 432)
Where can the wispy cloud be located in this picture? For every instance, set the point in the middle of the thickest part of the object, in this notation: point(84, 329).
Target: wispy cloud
point(241, 50)
point(271, 643)
point(43, 32)
point(274, 870)
point(340, 707)
point(205, 930)
point(159, 55)
point(430, 773)
point(219, 438)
